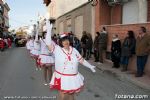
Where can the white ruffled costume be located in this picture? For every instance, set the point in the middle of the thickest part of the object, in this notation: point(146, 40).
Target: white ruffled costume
point(36, 47)
point(30, 45)
point(46, 57)
point(66, 70)
point(66, 77)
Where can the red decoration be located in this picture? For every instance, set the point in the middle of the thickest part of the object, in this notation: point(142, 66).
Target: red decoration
point(69, 58)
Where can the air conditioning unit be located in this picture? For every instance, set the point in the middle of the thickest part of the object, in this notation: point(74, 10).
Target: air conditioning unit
point(114, 2)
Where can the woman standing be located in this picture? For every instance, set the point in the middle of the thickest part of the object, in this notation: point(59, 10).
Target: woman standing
point(9, 42)
point(46, 60)
point(77, 44)
point(66, 78)
point(116, 51)
point(128, 49)
point(89, 45)
point(83, 43)
point(96, 50)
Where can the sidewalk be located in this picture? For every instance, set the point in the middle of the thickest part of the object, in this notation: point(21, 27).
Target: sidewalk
point(143, 82)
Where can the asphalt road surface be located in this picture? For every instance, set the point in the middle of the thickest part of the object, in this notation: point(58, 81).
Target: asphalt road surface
point(20, 81)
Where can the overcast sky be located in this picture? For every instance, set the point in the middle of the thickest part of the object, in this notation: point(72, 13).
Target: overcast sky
point(22, 11)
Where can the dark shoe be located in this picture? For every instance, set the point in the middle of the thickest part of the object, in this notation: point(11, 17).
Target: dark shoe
point(138, 75)
point(117, 67)
point(96, 61)
point(113, 66)
point(123, 70)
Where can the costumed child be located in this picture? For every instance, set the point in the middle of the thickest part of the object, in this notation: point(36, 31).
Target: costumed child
point(46, 59)
point(36, 49)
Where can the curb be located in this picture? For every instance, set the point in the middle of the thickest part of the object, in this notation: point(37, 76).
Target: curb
point(121, 76)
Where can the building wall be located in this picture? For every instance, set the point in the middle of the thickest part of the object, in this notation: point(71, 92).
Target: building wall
point(1, 2)
point(135, 11)
point(75, 16)
point(63, 6)
point(107, 15)
point(51, 9)
point(6, 17)
point(148, 14)
point(115, 19)
point(116, 14)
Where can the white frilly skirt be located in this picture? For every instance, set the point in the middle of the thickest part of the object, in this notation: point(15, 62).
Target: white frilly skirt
point(34, 53)
point(46, 59)
point(67, 83)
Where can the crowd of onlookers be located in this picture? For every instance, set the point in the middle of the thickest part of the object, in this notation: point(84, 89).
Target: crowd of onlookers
point(5, 42)
point(121, 51)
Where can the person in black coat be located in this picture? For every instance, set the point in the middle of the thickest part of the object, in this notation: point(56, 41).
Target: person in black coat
point(84, 42)
point(96, 49)
point(116, 51)
point(89, 46)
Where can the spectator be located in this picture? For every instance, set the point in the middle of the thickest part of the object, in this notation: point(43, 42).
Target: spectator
point(77, 44)
point(128, 49)
point(71, 38)
point(116, 51)
point(142, 50)
point(9, 42)
point(6, 42)
point(2, 44)
point(102, 43)
point(89, 44)
point(83, 42)
point(96, 49)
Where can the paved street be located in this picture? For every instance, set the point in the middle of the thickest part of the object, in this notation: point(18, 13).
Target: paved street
point(19, 78)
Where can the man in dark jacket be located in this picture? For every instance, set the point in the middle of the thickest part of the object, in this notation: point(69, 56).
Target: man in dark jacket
point(83, 42)
point(102, 43)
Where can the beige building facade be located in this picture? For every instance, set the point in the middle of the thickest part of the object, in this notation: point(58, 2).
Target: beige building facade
point(77, 20)
point(72, 15)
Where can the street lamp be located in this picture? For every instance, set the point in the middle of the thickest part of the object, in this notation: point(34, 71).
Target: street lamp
point(93, 2)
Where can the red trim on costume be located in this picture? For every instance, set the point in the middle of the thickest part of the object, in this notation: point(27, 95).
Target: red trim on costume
point(72, 91)
point(57, 87)
point(38, 61)
point(66, 74)
point(69, 54)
